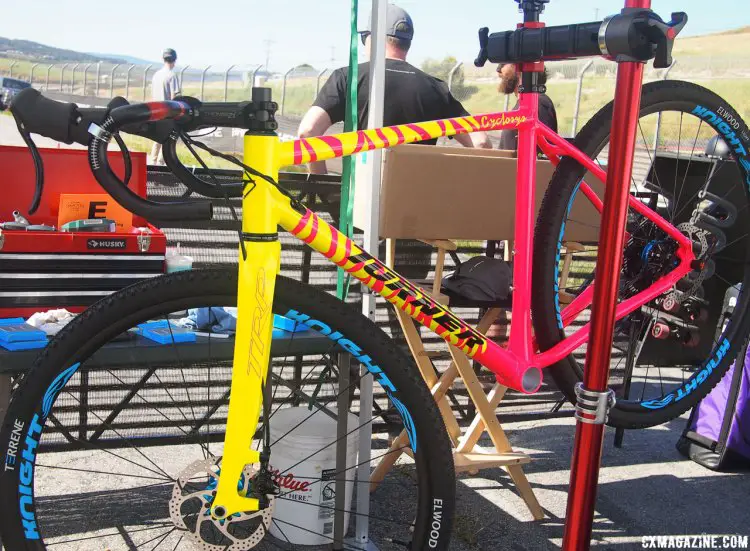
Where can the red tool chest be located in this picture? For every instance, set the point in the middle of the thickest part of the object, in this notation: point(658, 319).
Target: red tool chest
point(44, 270)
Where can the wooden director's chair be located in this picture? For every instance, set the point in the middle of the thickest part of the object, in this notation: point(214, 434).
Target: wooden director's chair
point(436, 195)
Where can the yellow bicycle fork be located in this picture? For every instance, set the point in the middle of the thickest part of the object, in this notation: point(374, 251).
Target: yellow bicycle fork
point(263, 208)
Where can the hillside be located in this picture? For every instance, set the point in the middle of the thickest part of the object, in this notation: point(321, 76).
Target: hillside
point(34, 51)
point(733, 44)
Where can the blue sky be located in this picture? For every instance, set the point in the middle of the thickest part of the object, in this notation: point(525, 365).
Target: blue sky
point(223, 32)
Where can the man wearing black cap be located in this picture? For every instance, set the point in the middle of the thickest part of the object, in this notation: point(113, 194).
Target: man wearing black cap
point(410, 94)
point(164, 86)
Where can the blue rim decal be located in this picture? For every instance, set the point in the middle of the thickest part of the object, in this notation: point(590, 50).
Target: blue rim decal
point(31, 444)
point(54, 389)
point(557, 255)
point(408, 421)
point(694, 382)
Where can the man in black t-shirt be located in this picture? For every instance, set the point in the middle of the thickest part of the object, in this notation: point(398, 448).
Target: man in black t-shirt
point(510, 79)
point(410, 94)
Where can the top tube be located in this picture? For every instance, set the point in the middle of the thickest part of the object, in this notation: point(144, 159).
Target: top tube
point(323, 148)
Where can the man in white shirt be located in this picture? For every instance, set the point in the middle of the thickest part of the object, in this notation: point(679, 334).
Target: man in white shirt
point(164, 86)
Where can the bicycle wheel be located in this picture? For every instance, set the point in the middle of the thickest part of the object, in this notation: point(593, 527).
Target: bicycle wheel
point(667, 354)
point(113, 441)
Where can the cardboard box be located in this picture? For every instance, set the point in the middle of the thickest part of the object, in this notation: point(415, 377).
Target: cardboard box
point(433, 192)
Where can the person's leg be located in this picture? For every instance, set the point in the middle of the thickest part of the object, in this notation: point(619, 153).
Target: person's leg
point(156, 157)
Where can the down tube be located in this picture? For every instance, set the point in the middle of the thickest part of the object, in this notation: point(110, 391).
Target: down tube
point(343, 252)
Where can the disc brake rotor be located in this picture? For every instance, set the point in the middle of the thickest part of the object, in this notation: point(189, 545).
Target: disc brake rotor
point(190, 506)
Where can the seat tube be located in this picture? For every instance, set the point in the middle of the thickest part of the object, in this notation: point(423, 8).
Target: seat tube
point(520, 333)
point(259, 262)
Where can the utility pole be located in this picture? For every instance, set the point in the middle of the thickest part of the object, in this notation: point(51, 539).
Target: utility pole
point(268, 44)
point(333, 56)
point(596, 14)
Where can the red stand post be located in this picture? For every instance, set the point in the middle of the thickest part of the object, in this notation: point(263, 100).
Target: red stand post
point(584, 472)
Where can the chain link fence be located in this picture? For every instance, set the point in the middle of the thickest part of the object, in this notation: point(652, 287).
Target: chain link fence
point(577, 88)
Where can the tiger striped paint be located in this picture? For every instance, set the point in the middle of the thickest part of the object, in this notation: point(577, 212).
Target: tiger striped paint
point(322, 148)
point(342, 251)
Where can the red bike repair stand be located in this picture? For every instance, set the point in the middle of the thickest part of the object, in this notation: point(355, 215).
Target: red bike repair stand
point(584, 471)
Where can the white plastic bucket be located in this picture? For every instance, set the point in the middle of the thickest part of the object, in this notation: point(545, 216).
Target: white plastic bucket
point(306, 514)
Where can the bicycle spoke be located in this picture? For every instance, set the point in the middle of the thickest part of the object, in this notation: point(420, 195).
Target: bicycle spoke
point(48, 544)
point(305, 378)
point(130, 444)
point(678, 194)
point(325, 447)
point(176, 545)
point(208, 398)
point(648, 150)
point(341, 393)
point(282, 533)
point(157, 410)
point(98, 472)
point(173, 343)
point(163, 537)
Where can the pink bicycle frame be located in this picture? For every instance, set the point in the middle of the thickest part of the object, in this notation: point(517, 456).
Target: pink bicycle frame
point(532, 134)
point(518, 365)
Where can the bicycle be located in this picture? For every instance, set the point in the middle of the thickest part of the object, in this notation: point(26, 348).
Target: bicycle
point(670, 267)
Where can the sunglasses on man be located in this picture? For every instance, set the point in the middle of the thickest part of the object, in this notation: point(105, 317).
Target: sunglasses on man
point(363, 36)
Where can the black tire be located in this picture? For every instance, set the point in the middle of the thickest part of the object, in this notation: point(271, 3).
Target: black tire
point(435, 491)
point(658, 97)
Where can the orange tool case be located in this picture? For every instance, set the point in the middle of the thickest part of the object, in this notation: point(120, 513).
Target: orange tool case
point(41, 270)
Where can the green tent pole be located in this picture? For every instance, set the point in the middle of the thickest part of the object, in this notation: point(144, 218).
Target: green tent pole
point(346, 212)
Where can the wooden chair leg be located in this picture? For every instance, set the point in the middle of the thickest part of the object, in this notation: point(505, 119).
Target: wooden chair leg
point(388, 460)
point(476, 428)
point(524, 489)
point(496, 432)
point(397, 447)
point(424, 364)
point(485, 404)
point(568, 250)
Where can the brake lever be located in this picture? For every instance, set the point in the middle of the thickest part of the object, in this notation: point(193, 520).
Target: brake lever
point(38, 165)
